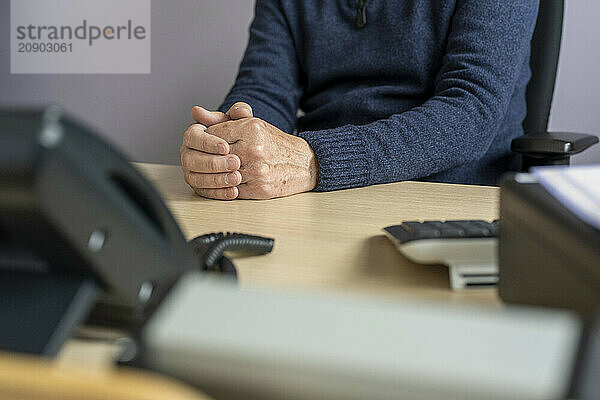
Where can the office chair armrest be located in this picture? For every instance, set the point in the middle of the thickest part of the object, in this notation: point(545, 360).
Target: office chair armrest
point(551, 148)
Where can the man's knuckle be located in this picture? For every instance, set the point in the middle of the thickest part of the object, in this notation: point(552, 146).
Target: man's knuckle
point(191, 130)
point(202, 141)
point(201, 192)
point(186, 138)
point(214, 164)
point(264, 189)
point(262, 170)
point(256, 151)
point(186, 159)
point(217, 180)
point(197, 127)
point(208, 193)
point(256, 124)
point(189, 179)
point(188, 142)
point(197, 180)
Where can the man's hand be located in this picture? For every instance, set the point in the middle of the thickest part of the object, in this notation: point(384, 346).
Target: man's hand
point(273, 163)
point(231, 155)
point(207, 165)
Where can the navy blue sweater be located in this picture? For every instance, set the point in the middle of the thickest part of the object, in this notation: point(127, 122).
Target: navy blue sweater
point(427, 89)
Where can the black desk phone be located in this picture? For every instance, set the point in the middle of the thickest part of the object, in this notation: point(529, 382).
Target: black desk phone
point(83, 236)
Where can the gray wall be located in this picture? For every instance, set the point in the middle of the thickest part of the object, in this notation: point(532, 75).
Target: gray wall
point(196, 48)
point(576, 106)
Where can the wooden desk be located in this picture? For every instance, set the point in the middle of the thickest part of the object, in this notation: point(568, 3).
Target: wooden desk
point(324, 241)
point(333, 241)
point(30, 378)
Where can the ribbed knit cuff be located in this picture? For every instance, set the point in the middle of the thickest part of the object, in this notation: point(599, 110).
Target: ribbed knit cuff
point(342, 158)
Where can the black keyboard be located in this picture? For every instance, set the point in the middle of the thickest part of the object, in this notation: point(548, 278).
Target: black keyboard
point(413, 230)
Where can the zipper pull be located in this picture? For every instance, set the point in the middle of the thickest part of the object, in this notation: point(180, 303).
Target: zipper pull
point(361, 17)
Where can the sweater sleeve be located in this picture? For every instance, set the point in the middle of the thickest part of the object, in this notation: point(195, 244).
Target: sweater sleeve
point(269, 75)
point(486, 50)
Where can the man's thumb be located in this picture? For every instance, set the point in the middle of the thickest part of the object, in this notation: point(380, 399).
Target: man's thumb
point(208, 118)
point(240, 110)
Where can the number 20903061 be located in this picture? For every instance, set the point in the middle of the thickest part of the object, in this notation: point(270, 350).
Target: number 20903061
point(45, 47)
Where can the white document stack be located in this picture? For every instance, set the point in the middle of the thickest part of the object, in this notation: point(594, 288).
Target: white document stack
point(576, 187)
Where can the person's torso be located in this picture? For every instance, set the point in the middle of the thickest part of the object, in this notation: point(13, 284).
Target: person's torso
point(358, 75)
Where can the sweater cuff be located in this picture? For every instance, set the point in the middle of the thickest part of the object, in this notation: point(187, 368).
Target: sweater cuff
point(341, 156)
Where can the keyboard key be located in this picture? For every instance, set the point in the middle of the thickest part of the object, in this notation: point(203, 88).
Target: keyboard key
point(451, 232)
point(411, 226)
point(436, 225)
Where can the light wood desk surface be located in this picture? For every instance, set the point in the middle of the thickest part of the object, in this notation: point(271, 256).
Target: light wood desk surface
point(323, 241)
point(333, 241)
point(30, 378)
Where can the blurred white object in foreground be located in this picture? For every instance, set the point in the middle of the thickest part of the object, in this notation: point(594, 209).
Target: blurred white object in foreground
point(296, 345)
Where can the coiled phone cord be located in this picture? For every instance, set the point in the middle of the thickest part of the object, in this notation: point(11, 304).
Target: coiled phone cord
point(210, 249)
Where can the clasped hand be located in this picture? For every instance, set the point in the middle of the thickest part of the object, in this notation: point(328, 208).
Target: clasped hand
point(235, 155)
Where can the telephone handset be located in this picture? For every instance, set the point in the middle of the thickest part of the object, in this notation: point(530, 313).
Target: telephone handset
point(72, 199)
point(76, 219)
